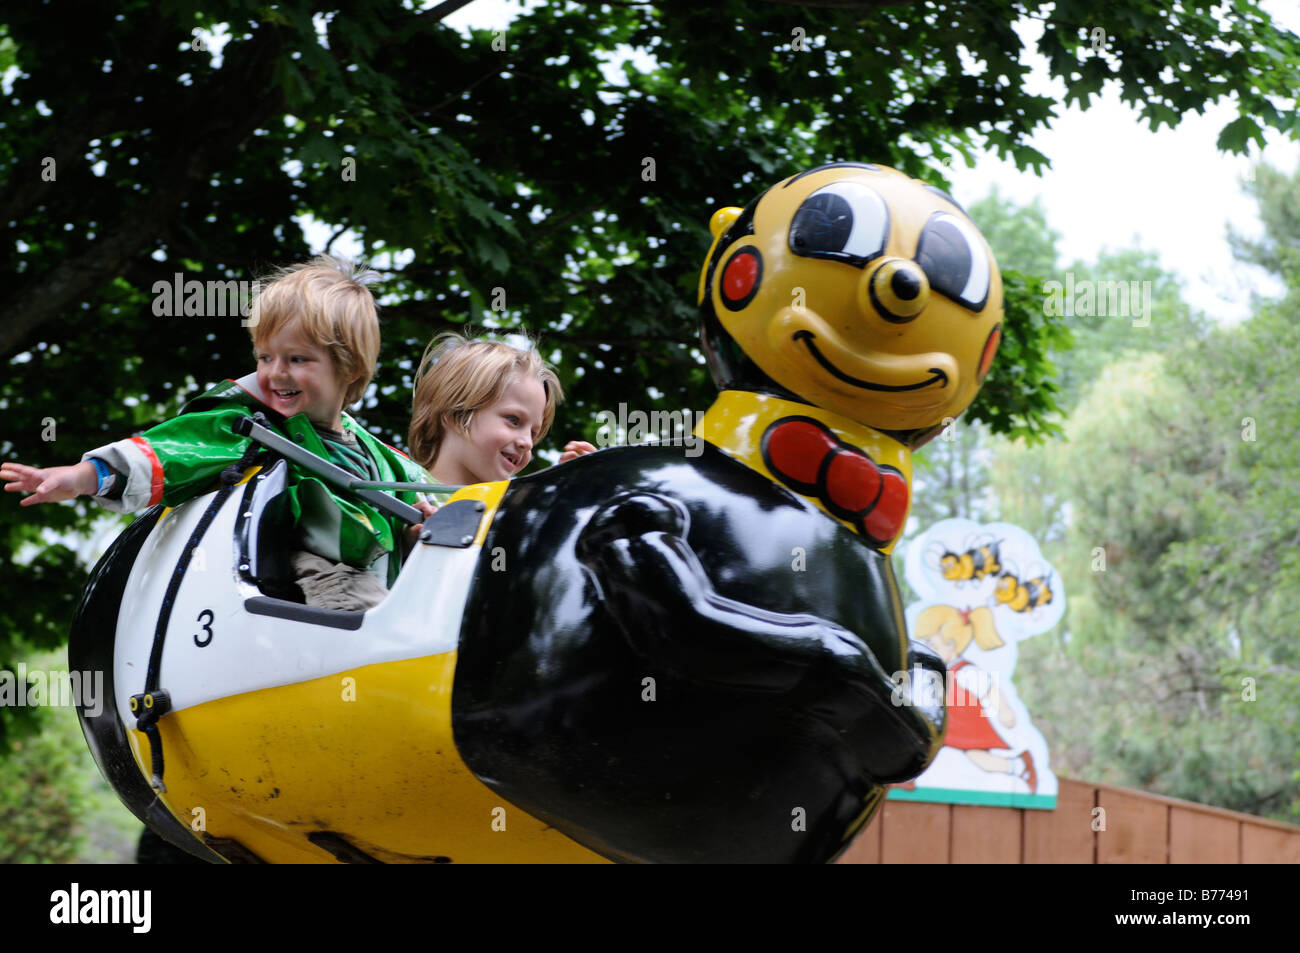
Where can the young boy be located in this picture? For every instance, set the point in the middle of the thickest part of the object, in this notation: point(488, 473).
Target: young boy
point(315, 333)
point(479, 409)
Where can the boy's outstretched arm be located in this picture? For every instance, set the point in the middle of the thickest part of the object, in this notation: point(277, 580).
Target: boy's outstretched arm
point(52, 484)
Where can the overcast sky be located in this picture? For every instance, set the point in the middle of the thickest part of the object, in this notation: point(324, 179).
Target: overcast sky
point(1114, 183)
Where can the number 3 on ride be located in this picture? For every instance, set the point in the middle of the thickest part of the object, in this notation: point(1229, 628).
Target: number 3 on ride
point(207, 628)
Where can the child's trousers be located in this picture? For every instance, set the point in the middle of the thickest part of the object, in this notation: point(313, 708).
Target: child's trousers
point(331, 585)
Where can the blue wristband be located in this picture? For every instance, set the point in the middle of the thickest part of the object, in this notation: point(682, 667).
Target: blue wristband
point(106, 476)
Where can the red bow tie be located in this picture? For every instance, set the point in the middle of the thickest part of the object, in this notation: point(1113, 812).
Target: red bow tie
point(807, 457)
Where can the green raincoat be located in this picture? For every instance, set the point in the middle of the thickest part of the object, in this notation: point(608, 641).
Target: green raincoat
point(183, 457)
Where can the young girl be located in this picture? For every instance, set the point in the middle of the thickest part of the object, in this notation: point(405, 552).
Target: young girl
point(479, 409)
point(972, 704)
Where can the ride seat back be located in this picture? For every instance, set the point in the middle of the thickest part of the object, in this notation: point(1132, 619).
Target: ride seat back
point(265, 534)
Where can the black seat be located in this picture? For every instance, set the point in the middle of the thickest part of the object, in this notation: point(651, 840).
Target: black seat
point(264, 534)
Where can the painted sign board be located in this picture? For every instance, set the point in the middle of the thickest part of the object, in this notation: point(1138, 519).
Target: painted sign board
point(983, 588)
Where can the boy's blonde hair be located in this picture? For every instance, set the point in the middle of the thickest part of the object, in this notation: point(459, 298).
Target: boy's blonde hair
point(458, 376)
point(336, 310)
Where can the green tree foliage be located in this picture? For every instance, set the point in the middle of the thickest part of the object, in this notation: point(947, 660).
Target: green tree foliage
point(1168, 513)
point(953, 480)
point(952, 471)
point(1246, 562)
point(1143, 685)
point(505, 163)
point(1278, 251)
point(40, 799)
point(1124, 302)
point(44, 786)
point(1028, 478)
point(1019, 235)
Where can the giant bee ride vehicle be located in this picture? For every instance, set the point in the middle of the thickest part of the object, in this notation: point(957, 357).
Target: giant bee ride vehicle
point(640, 655)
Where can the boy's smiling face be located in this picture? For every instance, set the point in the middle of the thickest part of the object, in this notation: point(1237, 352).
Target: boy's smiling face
point(298, 376)
point(500, 439)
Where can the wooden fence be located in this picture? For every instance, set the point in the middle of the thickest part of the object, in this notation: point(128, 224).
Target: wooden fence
point(1092, 824)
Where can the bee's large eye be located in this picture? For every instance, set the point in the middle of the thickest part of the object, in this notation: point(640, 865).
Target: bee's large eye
point(955, 260)
point(845, 222)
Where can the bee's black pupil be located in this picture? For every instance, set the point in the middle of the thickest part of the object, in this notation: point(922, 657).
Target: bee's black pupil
point(823, 222)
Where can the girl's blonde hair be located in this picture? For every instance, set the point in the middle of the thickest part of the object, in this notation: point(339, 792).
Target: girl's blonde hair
point(458, 376)
point(960, 627)
point(329, 298)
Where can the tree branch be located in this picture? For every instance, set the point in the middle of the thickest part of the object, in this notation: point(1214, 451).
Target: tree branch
point(865, 6)
point(103, 111)
point(243, 80)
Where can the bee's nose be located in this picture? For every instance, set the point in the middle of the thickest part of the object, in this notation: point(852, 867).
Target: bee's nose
point(896, 289)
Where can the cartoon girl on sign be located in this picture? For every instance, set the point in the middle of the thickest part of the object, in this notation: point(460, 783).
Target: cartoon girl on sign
point(983, 589)
point(973, 701)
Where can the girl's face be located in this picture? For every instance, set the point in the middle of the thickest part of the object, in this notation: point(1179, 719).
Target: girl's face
point(500, 439)
point(943, 646)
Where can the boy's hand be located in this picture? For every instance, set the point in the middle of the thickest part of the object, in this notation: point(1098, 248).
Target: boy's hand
point(574, 449)
point(427, 509)
point(51, 484)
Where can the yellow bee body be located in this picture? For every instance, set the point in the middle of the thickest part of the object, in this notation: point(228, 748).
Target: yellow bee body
point(977, 563)
point(1023, 596)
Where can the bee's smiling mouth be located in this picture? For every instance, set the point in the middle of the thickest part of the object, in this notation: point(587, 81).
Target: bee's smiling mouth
point(807, 337)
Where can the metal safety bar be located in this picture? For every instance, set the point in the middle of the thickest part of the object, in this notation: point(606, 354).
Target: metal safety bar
point(367, 490)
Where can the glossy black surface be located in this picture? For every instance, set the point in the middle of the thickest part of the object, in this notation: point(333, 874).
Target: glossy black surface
point(771, 707)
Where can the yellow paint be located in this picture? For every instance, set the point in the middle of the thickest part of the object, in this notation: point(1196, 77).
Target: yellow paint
point(737, 420)
point(272, 766)
point(721, 220)
point(490, 494)
point(837, 334)
point(382, 771)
